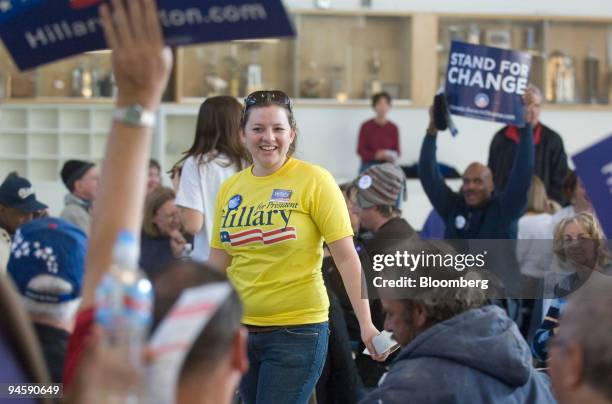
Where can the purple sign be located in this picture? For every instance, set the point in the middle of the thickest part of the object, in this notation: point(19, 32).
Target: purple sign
point(594, 167)
point(487, 83)
point(42, 31)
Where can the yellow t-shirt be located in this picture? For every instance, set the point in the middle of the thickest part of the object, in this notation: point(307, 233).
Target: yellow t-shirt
point(273, 227)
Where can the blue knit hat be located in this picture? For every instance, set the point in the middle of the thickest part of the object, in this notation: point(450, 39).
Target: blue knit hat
point(47, 260)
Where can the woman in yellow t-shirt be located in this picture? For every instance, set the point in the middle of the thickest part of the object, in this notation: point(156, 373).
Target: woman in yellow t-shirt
point(269, 226)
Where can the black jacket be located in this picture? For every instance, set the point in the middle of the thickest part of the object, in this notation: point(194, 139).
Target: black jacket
point(550, 161)
point(498, 218)
point(53, 342)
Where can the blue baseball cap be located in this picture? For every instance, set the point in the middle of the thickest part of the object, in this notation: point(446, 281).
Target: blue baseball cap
point(47, 260)
point(17, 192)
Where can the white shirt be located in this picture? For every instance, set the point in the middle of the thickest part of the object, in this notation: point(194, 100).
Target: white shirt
point(559, 215)
point(534, 256)
point(198, 189)
point(5, 250)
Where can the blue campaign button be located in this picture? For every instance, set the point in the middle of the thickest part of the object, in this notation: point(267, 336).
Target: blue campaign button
point(234, 202)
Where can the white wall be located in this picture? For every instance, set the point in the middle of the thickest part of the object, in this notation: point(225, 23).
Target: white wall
point(328, 136)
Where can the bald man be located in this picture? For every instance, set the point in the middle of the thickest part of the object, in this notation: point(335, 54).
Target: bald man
point(477, 211)
point(550, 158)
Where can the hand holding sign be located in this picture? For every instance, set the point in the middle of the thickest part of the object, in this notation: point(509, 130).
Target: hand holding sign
point(487, 83)
point(41, 31)
point(532, 100)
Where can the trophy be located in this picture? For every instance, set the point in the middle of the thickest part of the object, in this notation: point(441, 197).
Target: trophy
point(337, 83)
point(232, 67)
point(591, 73)
point(254, 79)
point(561, 78)
point(374, 85)
point(311, 85)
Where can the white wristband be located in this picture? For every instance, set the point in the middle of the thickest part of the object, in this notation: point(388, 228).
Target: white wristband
point(135, 115)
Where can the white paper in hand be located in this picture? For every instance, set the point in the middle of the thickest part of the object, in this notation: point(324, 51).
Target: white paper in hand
point(175, 335)
point(383, 342)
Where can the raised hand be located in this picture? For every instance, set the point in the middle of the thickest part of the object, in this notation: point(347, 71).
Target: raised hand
point(140, 62)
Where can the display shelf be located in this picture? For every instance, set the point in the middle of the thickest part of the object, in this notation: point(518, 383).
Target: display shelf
point(346, 54)
point(36, 139)
point(7, 165)
point(44, 119)
point(44, 144)
point(13, 120)
point(13, 143)
point(75, 144)
point(75, 119)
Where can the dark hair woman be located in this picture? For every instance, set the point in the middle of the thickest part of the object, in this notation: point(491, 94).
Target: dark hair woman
point(216, 154)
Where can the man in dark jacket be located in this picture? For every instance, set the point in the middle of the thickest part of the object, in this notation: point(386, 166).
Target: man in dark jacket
point(550, 157)
point(477, 212)
point(454, 349)
point(377, 192)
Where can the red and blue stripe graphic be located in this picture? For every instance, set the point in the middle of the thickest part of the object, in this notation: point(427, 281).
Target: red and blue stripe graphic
point(259, 236)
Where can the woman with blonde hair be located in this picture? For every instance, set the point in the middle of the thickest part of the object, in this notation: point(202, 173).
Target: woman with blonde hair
point(580, 242)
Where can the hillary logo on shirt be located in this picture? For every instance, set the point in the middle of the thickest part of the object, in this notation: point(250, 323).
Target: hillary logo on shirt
point(281, 195)
point(250, 221)
point(258, 236)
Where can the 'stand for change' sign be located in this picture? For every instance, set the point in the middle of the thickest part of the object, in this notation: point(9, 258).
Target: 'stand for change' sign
point(41, 31)
point(594, 167)
point(487, 83)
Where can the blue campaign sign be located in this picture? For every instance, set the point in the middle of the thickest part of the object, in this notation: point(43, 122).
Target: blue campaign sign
point(41, 31)
point(487, 83)
point(594, 167)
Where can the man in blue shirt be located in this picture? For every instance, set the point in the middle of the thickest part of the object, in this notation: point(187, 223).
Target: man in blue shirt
point(477, 212)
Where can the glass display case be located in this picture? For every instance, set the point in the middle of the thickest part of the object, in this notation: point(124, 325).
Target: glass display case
point(333, 57)
point(352, 56)
point(349, 55)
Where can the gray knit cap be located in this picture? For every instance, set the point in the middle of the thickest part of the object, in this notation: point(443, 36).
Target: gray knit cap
point(381, 184)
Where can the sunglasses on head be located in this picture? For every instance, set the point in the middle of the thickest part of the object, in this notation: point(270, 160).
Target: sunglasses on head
point(267, 97)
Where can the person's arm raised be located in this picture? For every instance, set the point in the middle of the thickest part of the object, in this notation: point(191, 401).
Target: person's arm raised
point(440, 195)
point(141, 66)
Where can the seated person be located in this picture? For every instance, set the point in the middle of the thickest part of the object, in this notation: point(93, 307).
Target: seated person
point(161, 241)
point(581, 353)
point(477, 212)
point(455, 349)
point(580, 242)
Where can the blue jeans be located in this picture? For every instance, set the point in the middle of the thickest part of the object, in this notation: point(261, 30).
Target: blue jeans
point(285, 364)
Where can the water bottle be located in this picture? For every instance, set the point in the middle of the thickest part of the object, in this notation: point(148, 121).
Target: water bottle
point(124, 304)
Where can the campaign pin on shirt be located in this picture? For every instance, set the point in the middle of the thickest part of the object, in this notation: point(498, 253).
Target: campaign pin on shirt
point(281, 195)
point(234, 202)
point(460, 222)
point(365, 182)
